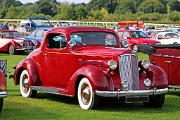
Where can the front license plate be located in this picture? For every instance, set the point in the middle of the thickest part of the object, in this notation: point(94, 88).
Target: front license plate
point(135, 99)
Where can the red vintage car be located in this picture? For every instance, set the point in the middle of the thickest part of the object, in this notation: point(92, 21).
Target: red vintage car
point(135, 38)
point(168, 58)
point(12, 41)
point(3, 92)
point(86, 62)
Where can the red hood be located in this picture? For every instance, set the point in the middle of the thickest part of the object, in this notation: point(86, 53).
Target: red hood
point(101, 51)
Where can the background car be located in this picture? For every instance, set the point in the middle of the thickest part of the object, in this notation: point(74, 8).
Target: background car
point(12, 41)
point(3, 92)
point(88, 62)
point(135, 38)
point(37, 35)
point(168, 58)
point(168, 38)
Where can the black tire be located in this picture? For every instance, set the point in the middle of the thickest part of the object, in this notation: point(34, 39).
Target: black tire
point(1, 105)
point(156, 101)
point(86, 96)
point(11, 49)
point(25, 89)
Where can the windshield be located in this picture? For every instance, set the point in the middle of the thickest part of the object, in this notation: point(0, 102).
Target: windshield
point(94, 38)
point(138, 34)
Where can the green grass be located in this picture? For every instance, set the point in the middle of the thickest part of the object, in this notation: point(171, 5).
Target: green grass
point(55, 107)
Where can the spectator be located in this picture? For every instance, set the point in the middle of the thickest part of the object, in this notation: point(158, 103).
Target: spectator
point(5, 26)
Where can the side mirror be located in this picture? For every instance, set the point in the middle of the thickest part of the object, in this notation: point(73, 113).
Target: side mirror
point(124, 43)
point(71, 43)
point(147, 49)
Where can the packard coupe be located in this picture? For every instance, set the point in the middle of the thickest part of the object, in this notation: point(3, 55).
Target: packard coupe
point(90, 63)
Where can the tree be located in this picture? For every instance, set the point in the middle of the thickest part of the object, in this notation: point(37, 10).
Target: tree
point(150, 6)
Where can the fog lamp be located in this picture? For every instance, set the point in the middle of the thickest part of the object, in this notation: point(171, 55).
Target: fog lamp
point(125, 84)
point(112, 64)
point(147, 82)
point(145, 64)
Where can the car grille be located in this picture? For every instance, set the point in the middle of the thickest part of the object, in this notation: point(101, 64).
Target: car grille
point(129, 73)
point(3, 66)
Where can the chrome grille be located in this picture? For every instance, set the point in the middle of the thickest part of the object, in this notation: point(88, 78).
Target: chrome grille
point(128, 68)
point(3, 66)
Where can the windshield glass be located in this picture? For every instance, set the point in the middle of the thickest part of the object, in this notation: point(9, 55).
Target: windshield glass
point(94, 38)
point(138, 34)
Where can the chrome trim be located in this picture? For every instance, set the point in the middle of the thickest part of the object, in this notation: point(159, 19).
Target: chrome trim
point(3, 66)
point(3, 94)
point(174, 86)
point(131, 93)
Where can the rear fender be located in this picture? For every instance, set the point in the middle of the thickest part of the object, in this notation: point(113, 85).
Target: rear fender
point(96, 78)
point(29, 65)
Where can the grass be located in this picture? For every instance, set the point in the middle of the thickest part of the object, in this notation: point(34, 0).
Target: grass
point(55, 107)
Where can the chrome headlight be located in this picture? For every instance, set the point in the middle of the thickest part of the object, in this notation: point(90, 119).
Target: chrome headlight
point(125, 84)
point(145, 64)
point(147, 82)
point(112, 64)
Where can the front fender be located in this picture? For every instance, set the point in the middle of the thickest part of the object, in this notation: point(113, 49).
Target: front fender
point(158, 76)
point(30, 66)
point(96, 77)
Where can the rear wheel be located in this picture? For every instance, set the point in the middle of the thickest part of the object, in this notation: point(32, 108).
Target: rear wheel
point(25, 89)
point(86, 96)
point(1, 104)
point(11, 49)
point(156, 101)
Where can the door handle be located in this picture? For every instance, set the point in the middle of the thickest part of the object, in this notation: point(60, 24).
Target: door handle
point(168, 62)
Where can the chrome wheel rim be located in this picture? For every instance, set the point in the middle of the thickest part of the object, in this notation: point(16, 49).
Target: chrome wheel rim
point(85, 94)
point(25, 84)
point(11, 49)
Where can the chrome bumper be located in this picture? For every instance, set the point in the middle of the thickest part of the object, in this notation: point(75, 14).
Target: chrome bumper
point(3, 94)
point(27, 48)
point(131, 93)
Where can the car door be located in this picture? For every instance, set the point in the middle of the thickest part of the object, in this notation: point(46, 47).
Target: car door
point(59, 65)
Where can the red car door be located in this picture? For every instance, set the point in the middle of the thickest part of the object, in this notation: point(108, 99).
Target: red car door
point(59, 65)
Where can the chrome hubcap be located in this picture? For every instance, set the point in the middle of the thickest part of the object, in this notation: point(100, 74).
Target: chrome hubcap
point(85, 94)
point(11, 49)
point(25, 84)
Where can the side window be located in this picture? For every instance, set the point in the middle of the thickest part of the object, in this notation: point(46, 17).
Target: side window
point(120, 34)
point(56, 41)
point(126, 34)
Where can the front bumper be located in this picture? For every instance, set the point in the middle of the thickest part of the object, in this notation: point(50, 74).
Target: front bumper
point(3, 94)
point(131, 93)
point(26, 48)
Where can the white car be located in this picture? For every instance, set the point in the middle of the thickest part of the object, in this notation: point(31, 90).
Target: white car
point(168, 38)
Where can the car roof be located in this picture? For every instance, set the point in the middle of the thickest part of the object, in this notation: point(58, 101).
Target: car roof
point(71, 29)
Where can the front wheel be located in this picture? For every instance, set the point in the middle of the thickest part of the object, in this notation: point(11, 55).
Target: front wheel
point(25, 89)
point(11, 49)
point(86, 96)
point(1, 104)
point(156, 101)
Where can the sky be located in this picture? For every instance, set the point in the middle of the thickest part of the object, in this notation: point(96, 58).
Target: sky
point(70, 1)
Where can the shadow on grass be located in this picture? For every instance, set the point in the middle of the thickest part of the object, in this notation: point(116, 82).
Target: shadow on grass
point(175, 92)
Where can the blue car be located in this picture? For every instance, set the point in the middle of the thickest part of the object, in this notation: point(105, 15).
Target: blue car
point(37, 35)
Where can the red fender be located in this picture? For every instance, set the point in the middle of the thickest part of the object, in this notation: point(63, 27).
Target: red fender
point(158, 75)
point(2, 81)
point(30, 66)
point(96, 77)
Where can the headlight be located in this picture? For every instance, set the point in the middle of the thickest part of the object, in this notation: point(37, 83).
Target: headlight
point(112, 64)
point(145, 63)
point(147, 82)
point(125, 85)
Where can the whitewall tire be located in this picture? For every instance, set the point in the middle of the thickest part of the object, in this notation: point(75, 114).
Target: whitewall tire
point(11, 49)
point(25, 89)
point(86, 96)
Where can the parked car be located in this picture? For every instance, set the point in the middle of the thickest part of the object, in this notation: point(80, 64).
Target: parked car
point(37, 35)
point(175, 30)
point(135, 38)
point(168, 58)
point(3, 92)
point(168, 38)
point(12, 41)
point(88, 62)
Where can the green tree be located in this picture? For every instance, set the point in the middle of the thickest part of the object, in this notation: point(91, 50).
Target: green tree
point(150, 6)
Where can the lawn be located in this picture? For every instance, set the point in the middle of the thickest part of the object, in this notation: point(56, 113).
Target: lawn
point(55, 107)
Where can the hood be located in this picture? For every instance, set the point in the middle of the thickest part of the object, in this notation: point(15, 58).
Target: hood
point(146, 40)
point(101, 51)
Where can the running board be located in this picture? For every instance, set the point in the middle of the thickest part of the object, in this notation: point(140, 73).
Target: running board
point(51, 90)
point(174, 86)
